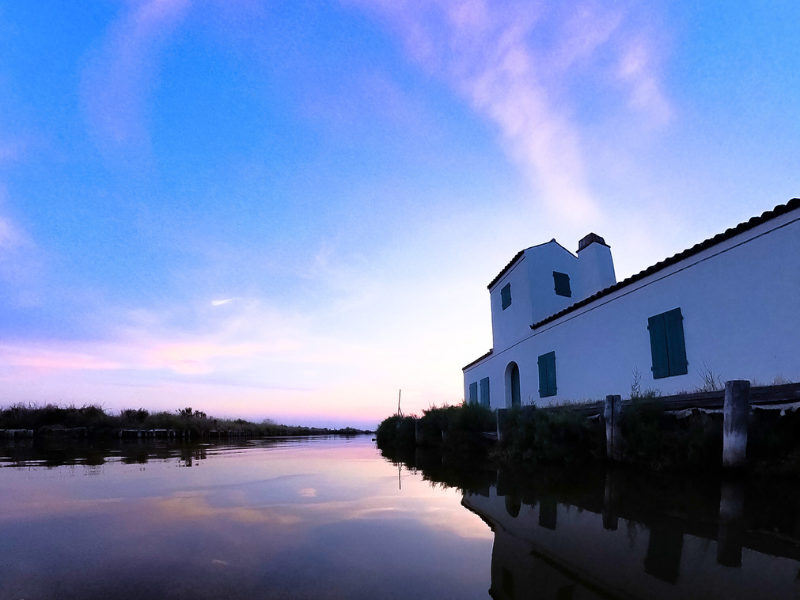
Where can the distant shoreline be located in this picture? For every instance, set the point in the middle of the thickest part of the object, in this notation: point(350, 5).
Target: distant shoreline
point(92, 421)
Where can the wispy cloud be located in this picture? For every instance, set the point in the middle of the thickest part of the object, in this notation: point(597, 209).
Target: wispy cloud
point(120, 75)
point(515, 62)
point(19, 257)
point(223, 302)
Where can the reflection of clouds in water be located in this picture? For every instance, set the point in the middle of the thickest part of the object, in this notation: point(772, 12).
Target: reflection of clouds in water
point(196, 506)
point(434, 510)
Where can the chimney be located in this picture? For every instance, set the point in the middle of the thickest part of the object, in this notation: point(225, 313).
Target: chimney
point(590, 239)
point(595, 264)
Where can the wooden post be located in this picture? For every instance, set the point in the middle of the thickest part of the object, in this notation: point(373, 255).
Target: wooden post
point(501, 424)
point(611, 414)
point(736, 413)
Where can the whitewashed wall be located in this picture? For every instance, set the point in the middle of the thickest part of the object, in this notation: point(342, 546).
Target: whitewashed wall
point(533, 296)
point(739, 301)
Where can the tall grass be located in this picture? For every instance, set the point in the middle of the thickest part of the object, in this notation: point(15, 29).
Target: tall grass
point(655, 439)
point(458, 426)
point(564, 436)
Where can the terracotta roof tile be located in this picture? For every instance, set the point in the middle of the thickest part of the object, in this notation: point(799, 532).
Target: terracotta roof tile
point(779, 210)
point(477, 360)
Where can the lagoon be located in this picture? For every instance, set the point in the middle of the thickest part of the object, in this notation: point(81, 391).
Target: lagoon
point(333, 518)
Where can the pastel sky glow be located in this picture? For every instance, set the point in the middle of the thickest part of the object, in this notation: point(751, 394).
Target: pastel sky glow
point(272, 209)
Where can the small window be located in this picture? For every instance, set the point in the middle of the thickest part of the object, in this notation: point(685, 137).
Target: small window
point(561, 281)
point(547, 375)
point(505, 295)
point(485, 391)
point(473, 393)
point(667, 345)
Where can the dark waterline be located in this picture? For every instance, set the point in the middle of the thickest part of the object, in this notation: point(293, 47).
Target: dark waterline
point(332, 518)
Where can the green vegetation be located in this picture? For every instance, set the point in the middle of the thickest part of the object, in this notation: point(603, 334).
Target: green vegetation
point(658, 440)
point(546, 436)
point(93, 420)
point(396, 432)
point(454, 427)
point(653, 437)
point(772, 442)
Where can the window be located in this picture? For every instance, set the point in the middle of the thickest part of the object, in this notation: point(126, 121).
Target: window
point(505, 295)
point(561, 281)
point(547, 375)
point(473, 393)
point(485, 391)
point(667, 345)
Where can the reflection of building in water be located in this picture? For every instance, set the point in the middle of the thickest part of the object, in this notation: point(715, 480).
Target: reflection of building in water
point(546, 549)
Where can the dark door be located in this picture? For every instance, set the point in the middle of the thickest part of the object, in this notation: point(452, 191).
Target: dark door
point(515, 401)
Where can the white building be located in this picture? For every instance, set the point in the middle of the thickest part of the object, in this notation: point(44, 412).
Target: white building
point(564, 329)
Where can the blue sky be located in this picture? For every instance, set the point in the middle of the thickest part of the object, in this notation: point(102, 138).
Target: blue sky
point(291, 210)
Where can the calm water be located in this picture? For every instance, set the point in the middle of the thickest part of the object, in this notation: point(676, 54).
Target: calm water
point(332, 518)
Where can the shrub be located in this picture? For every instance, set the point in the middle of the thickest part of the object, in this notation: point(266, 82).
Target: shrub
point(658, 440)
point(395, 431)
point(533, 434)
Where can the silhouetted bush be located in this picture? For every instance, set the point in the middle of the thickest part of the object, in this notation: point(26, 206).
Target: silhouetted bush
point(395, 431)
point(458, 426)
point(656, 439)
point(544, 436)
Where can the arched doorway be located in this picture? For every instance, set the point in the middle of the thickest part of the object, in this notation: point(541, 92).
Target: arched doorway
point(512, 385)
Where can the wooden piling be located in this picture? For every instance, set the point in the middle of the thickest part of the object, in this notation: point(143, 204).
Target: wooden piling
point(736, 413)
point(613, 409)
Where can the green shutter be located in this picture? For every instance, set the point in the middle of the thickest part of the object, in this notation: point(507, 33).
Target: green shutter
point(551, 374)
point(473, 393)
point(676, 345)
point(547, 375)
point(485, 391)
point(505, 295)
point(561, 281)
point(658, 346)
point(542, 376)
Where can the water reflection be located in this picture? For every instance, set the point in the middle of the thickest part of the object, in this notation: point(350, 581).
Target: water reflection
point(590, 533)
point(56, 452)
point(332, 519)
point(320, 518)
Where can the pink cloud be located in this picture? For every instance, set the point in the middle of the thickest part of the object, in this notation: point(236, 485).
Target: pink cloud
point(46, 359)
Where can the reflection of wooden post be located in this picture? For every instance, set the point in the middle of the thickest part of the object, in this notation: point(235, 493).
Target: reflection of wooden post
point(548, 512)
point(664, 549)
point(734, 428)
point(501, 424)
point(731, 525)
point(610, 518)
point(611, 414)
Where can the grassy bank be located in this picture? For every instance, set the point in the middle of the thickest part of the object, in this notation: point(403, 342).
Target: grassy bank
point(655, 439)
point(94, 420)
point(551, 437)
